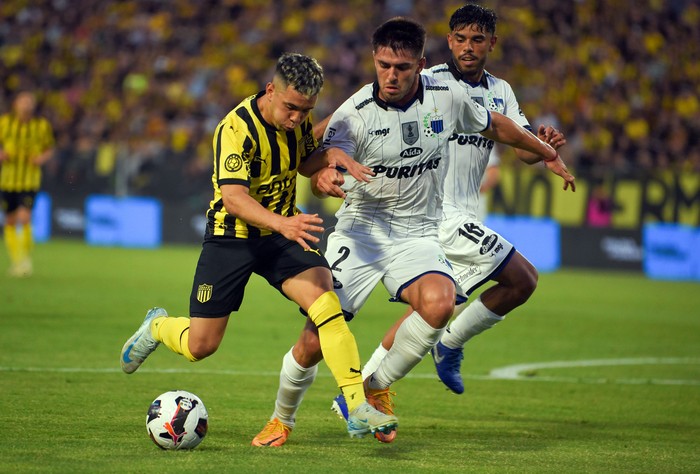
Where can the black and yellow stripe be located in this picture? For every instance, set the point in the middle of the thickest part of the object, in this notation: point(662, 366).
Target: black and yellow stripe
point(251, 152)
point(23, 141)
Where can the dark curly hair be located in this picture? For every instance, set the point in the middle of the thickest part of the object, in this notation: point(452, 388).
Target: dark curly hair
point(472, 14)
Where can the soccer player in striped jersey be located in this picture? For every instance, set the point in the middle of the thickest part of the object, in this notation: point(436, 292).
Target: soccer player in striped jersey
point(26, 143)
point(387, 228)
point(477, 254)
point(254, 226)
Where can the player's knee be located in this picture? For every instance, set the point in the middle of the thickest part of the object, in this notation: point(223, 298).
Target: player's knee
point(201, 349)
point(437, 309)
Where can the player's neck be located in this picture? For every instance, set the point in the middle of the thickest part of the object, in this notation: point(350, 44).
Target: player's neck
point(265, 111)
point(474, 78)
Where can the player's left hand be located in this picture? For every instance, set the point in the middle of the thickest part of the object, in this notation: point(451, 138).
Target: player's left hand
point(327, 182)
point(298, 228)
point(558, 167)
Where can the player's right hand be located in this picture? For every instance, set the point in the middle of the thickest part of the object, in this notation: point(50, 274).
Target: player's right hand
point(298, 228)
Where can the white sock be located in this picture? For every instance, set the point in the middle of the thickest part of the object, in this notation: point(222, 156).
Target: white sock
point(412, 342)
point(474, 319)
point(294, 381)
point(374, 361)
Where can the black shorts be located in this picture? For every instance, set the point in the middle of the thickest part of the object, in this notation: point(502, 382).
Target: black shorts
point(226, 264)
point(10, 201)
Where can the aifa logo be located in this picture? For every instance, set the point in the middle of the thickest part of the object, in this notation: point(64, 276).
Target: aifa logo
point(409, 132)
point(433, 124)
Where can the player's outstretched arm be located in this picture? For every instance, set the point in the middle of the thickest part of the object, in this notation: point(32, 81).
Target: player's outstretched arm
point(556, 140)
point(505, 130)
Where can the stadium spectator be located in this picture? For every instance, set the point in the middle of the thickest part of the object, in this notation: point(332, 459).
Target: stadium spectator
point(135, 71)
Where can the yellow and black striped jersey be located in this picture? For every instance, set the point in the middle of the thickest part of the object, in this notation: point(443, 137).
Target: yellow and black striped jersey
point(22, 141)
point(251, 152)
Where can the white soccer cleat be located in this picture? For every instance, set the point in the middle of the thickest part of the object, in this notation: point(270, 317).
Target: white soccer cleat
point(141, 344)
point(365, 419)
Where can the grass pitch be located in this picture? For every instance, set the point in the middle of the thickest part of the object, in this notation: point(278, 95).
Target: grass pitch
point(610, 381)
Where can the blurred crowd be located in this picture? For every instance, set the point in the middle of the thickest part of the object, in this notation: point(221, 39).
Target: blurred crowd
point(135, 88)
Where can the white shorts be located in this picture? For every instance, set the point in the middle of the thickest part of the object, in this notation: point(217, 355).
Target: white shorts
point(477, 253)
point(360, 262)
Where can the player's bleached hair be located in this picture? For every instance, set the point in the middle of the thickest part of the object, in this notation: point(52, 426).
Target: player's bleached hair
point(471, 14)
point(301, 72)
point(400, 34)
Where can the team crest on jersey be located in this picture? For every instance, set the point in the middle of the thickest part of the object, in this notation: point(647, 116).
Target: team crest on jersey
point(204, 292)
point(233, 163)
point(409, 132)
point(433, 124)
point(496, 104)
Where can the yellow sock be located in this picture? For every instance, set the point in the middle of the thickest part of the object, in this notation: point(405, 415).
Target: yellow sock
point(12, 243)
point(174, 333)
point(339, 347)
point(27, 241)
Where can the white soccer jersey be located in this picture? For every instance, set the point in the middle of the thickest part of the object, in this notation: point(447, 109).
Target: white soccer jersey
point(407, 149)
point(470, 152)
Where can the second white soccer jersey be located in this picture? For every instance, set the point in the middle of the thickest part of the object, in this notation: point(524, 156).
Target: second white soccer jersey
point(470, 152)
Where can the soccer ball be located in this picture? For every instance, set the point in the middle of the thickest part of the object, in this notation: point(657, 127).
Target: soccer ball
point(177, 420)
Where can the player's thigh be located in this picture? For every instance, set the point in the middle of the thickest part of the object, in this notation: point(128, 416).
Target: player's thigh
point(223, 270)
point(518, 271)
point(421, 276)
point(306, 287)
point(411, 261)
point(357, 267)
point(300, 275)
point(477, 254)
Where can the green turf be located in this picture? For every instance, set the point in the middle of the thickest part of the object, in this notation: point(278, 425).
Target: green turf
point(66, 407)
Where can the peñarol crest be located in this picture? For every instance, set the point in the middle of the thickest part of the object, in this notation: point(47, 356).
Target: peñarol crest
point(204, 292)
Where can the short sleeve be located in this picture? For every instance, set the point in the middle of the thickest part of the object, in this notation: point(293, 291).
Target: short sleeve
point(342, 130)
point(473, 118)
point(233, 152)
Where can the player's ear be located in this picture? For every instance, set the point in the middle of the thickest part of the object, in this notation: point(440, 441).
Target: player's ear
point(269, 90)
point(494, 39)
point(421, 64)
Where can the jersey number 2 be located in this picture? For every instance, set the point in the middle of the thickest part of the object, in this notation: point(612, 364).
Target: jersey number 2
point(344, 254)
